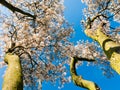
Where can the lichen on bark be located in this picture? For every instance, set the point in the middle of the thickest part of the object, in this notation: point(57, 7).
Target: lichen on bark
point(13, 76)
point(110, 47)
point(78, 80)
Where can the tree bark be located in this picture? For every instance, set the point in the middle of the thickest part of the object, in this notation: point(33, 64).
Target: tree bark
point(13, 76)
point(78, 80)
point(110, 47)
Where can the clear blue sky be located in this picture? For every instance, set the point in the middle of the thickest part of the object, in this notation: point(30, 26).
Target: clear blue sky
point(73, 13)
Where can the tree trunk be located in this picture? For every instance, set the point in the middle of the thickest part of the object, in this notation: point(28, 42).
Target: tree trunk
point(13, 76)
point(110, 47)
point(78, 80)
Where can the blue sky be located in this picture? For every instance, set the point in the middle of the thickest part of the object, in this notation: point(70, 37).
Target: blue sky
point(73, 13)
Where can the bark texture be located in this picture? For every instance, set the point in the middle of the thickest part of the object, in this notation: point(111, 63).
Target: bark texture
point(78, 80)
point(13, 76)
point(110, 47)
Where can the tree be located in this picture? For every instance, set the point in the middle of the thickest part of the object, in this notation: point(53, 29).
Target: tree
point(34, 35)
point(99, 27)
point(36, 38)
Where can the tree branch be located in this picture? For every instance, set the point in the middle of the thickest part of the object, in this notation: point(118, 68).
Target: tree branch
point(78, 80)
point(84, 59)
point(15, 9)
point(91, 20)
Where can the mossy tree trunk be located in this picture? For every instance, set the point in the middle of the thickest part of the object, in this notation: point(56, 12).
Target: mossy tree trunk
point(13, 76)
point(78, 80)
point(110, 47)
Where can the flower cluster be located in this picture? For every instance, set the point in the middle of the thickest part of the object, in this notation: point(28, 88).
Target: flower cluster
point(102, 11)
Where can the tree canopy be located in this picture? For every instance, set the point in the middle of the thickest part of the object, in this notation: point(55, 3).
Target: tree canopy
point(37, 32)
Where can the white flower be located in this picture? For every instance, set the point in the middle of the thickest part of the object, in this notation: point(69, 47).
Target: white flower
point(69, 79)
point(64, 74)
